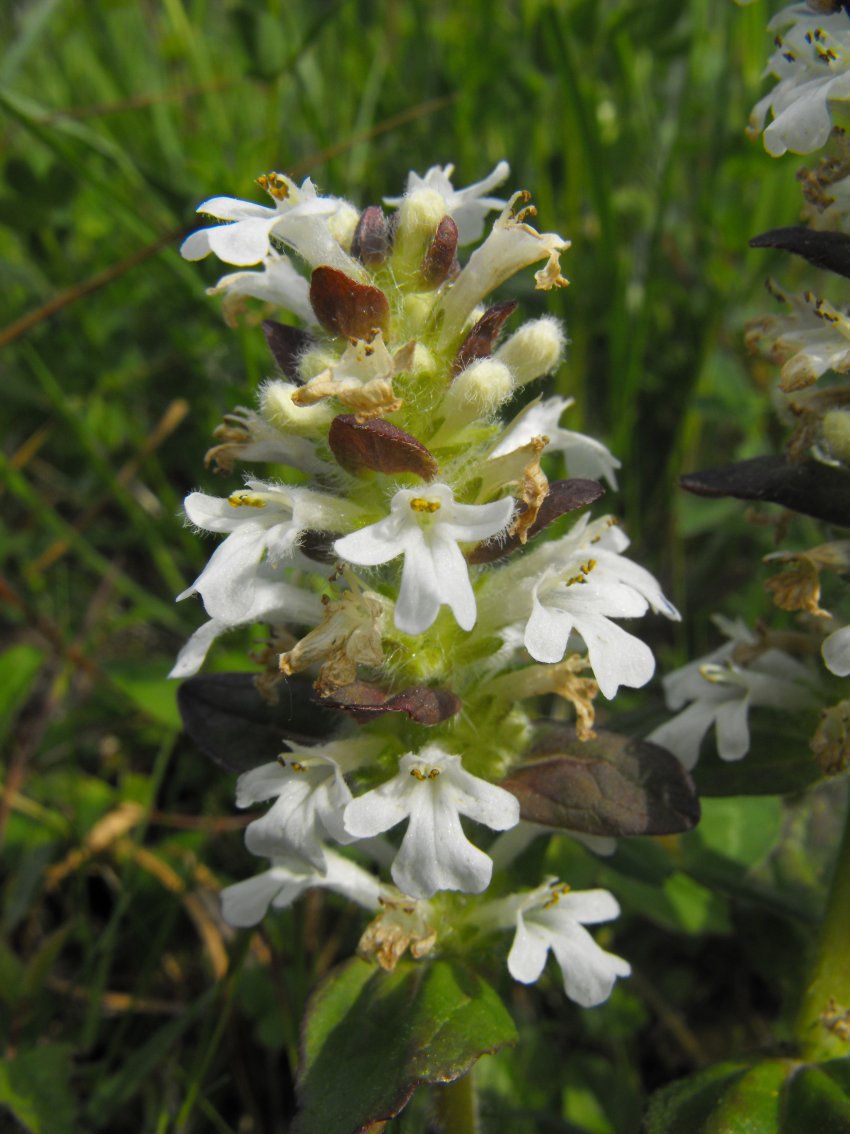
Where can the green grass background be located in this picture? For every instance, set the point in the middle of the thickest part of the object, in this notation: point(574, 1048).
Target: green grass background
point(125, 1004)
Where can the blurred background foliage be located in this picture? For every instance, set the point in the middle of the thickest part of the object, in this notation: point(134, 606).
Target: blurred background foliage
point(125, 1002)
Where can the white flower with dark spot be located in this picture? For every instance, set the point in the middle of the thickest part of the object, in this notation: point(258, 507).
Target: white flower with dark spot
point(432, 790)
point(425, 526)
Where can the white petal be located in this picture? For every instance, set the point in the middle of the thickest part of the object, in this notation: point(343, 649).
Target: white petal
point(836, 652)
point(191, 657)
point(683, 734)
point(246, 902)
point(435, 854)
point(589, 906)
point(528, 952)
point(732, 730)
point(588, 971)
point(616, 657)
point(243, 243)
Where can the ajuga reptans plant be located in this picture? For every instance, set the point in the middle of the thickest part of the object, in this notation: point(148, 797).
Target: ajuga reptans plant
point(399, 545)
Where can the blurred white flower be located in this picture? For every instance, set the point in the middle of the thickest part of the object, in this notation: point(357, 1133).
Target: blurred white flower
point(812, 338)
point(277, 282)
point(836, 652)
point(812, 64)
point(719, 691)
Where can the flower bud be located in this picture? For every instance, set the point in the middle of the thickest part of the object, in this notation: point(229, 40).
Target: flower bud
point(534, 350)
point(834, 446)
point(477, 391)
point(418, 219)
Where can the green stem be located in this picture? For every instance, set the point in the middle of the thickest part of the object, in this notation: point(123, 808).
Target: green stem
point(457, 1106)
point(828, 990)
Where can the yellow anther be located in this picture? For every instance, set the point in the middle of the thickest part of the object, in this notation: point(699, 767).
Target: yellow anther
point(577, 579)
point(297, 767)
point(586, 568)
point(417, 774)
point(245, 500)
point(558, 892)
point(419, 504)
point(432, 775)
point(275, 185)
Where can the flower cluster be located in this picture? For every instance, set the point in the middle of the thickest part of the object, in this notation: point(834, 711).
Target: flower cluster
point(396, 541)
point(811, 344)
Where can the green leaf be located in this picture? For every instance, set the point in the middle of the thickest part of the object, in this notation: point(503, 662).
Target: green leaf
point(19, 667)
point(34, 1087)
point(372, 1037)
point(779, 760)
point(818, 1099)
point(146, 684)
point(776, 1096)
point(744, 830)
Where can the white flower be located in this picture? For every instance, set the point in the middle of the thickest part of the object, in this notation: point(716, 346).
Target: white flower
point(432, 791)
point(425, 526)
point(246, 436)
point(579, 583)
point(585, 456)
point(811, 62)
point(467, 207)
point(836, 652)
point(277, 282)
point(299, 218)
point(273, 600)
point(721, 693)
point(264, 520)
point(246, 903)
point(311, 795)
point(553, 917)
point(811, 339)
point(511, 245)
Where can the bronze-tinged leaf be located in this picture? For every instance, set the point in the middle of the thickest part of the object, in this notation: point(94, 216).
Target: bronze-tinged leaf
point(481, 339)
point(440, 261)
point(563, 496)
point(287, 344)
point(829, 250)
point(372, 240)
point(379, 446)
point(811, 488)
point(610, 785)
point(422, 704)
point(238, 729)
point(345, 307)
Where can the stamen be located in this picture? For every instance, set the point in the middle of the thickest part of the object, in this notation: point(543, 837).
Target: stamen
point(245, 500)
point(419, 504)
point(275, 185)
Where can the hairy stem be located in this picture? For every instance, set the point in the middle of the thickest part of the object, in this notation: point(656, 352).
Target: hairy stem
point(826, 998)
